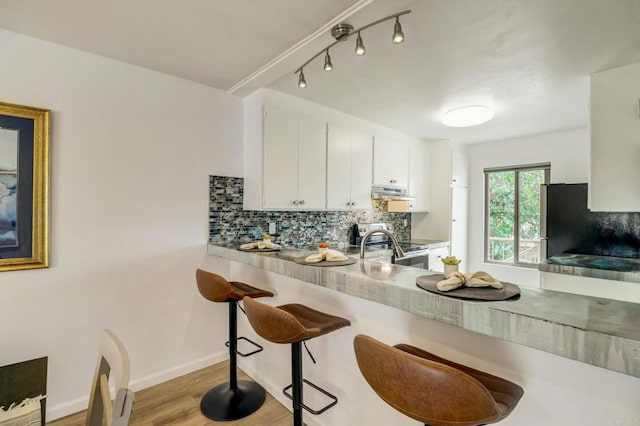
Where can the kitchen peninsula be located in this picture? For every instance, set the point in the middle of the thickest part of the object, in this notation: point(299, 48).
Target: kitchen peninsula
point(599, 332)
point(583, 328)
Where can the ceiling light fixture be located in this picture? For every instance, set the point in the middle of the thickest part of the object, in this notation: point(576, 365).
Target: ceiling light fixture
point(360, 49)
point(302, 83)
point(328, 66)
point(343, 32)
point(466, 116)
point(398, 35)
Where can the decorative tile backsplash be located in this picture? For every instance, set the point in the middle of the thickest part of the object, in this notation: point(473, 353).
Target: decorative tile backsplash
point(229, 222)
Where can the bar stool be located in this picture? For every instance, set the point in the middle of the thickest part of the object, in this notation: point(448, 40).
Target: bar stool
point(234, 399)
point(294, 323)
point(433, 390)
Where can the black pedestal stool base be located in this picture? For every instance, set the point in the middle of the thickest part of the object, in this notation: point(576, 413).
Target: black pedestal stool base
point(235, 399)
point(224, 404)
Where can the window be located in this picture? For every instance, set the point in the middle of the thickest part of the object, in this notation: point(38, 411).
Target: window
point(513, 213)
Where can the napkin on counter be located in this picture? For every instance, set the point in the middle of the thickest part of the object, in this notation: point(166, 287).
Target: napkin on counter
point(259, 245)
point(470, 279)
point(329, 256)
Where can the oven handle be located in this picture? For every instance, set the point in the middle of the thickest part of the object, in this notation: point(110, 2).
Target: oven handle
point(415, 254)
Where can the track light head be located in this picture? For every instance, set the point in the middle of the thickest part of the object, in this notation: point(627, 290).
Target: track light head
point(328, 66)
point(302, 83)
point(398, 35)
point(360, 49)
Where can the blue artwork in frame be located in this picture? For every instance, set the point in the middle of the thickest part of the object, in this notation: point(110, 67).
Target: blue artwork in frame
point(24, 187)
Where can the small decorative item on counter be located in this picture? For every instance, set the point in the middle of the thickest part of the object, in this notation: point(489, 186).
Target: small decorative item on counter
point(266, 238)
point(450, 265)
point(326, 255)
point(260, 245)
point(323, 247)
point(470, 279)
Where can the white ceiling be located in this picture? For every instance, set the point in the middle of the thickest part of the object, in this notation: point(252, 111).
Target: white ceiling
point(529, 59)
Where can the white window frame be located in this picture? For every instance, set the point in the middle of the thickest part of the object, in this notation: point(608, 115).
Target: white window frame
point(516, 209)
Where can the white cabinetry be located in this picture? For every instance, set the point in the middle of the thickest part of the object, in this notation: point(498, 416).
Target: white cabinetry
point(294, 161)
point(349, 168)
point(419, 178)
point(390, 162)
point(459, 168)
point(448, 215)
point(615, 140)
point(435, 258)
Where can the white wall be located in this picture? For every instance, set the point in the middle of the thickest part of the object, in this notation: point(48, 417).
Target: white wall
point(131, 153)
point(568, 153)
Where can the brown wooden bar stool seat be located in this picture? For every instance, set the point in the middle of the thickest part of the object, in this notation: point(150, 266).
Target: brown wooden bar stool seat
point(431, 389)
point(235, 399)
point(294, 323)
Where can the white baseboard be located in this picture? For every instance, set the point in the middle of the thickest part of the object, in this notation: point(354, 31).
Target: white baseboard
point(70, 407)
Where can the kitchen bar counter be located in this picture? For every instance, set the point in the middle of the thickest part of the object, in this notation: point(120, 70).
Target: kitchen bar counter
point(603, 267)
point(599, 332)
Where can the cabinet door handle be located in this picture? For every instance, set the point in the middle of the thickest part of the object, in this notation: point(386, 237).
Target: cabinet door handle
point(353, 203)
point(454, 180)
point(294, 202)
point(301, 202)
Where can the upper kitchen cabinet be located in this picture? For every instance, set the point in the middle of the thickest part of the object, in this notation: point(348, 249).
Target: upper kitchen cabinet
point(420, 177)
point(284, 155)
point(615, 140)
point(294, 160)
point(390, 162)
point(349, 168)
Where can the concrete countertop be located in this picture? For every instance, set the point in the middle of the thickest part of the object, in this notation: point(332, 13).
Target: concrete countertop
point(585, 265)
point(600, 332)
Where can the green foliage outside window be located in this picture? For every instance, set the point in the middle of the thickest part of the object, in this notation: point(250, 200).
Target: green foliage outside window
point(503, 217)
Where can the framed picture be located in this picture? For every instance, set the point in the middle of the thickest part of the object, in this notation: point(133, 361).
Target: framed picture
point(24, 187)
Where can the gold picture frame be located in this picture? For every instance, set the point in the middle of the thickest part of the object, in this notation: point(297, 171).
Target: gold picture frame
point(24, 187)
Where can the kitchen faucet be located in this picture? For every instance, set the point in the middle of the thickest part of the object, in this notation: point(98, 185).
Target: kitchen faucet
point(397, 250)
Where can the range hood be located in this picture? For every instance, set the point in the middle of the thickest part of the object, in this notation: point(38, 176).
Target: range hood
point(380, 192)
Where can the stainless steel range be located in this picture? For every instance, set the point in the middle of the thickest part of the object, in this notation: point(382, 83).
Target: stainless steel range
point(410, 254)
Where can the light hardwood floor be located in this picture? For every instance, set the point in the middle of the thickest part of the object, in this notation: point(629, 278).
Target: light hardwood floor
point(177, 402)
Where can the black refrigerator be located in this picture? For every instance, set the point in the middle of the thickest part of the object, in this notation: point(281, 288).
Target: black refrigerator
point(572, 228)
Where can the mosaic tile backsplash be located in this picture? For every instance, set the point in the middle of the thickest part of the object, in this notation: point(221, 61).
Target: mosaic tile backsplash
point(229, 222)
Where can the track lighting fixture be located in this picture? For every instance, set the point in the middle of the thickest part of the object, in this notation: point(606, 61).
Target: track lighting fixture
point(360, 49)
point(343, 32)
point(302, 83)
point(398, 35)
point(328, 66)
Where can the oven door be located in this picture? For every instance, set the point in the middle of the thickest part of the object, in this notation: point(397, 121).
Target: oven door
point(417, 260)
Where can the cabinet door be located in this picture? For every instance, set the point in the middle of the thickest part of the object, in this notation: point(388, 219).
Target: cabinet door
point(435, 258)
point(459, 219)
point(390, 162)
point(361, 170)
point(419, 178)
point(615, 140)
point(312, 163)
point(338, 168)
point(280, 175)
point(459, 168)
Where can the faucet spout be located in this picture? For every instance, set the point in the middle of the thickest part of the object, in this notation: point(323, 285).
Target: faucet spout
point(397, 250)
